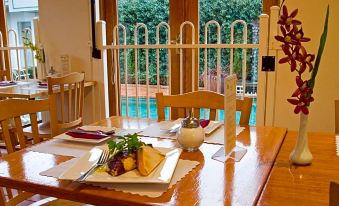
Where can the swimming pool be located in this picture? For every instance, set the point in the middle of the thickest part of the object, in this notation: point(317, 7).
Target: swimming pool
point(153, 109)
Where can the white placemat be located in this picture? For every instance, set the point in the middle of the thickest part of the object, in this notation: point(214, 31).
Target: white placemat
point(150, 190)
point(128, 131)
point(34, 87)
point(62, 147)
point(216, 137)
point(59, 169)
point(337, 143)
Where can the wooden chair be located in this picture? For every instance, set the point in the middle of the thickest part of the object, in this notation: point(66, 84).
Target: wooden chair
point(70, 116)
point(14, 108)
point(70, 111)
point(334, 194)
point(202, 99)
point(336, 113)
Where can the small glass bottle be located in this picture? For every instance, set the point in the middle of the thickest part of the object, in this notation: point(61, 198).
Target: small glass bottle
point(51, 72)
point(190, 135)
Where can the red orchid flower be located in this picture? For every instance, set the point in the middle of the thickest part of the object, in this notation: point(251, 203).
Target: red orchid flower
point(305, 59)
point(303, 96)
point(292, 37)
point(287, 37)
point(288, 20)
point(290, 56)
point(299, 35)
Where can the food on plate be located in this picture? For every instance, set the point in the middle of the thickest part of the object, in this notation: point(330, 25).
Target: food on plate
point(121, 163)
point(148, 159)
point(129, 153)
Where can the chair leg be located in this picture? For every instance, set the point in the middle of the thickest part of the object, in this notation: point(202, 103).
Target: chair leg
point(2, 197)
point(9, 193)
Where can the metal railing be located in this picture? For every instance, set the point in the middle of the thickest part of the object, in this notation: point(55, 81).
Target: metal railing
point(20, 69)
point(123, 47)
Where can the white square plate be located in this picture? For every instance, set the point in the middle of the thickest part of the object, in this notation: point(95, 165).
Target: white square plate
point(170, 125)
point(162, 173)
point(213, 125)
point(90, 128)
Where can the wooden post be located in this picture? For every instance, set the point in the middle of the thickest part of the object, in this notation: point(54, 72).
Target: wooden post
point(181, 11)
point(109, 13)
point(3, 28)
point(267, 4)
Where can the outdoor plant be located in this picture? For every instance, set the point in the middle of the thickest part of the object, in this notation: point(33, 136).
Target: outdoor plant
point(39, 53)
point(300, 60)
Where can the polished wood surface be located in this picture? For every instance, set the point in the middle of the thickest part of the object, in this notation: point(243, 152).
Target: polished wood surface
point(303, 185)
point(202, 99)
point(29, 91)
point(336, 116)
point(211, 183)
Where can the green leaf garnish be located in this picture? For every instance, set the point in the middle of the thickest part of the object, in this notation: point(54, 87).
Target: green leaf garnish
point(128, 142)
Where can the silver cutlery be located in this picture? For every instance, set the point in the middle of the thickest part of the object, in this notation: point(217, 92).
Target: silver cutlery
point(104, 157)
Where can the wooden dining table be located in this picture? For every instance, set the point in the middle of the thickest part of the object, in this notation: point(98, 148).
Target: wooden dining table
point(29, 90)
point(210, 183)
point(303, 185)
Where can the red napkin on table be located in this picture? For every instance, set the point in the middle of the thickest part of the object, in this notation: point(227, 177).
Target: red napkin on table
point(80, 133)
point(204, 123)
point(42, 84)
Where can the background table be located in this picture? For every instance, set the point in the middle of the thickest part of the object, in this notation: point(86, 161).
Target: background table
point(211, 183)
point(29, 90)
point(307, 185)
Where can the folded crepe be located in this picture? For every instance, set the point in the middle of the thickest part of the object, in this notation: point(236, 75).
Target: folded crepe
point(148, 159)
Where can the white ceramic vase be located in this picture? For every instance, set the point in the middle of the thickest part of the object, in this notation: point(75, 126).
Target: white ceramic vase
point(301, 154)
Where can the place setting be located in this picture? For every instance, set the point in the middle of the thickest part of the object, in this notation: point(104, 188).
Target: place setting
point(124, 163)
point(7, 83)
point(78, 141)
point(213, 130)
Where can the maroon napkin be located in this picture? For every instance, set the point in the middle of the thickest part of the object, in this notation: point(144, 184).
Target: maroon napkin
point(42, 84)
point(7, 83)
point(204, 123)
point(80, 133)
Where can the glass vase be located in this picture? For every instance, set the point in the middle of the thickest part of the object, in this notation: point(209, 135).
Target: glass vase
point(301, 154)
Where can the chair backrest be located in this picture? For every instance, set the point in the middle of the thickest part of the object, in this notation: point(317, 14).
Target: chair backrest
point(202, 99)
point(3, 74)
point(334, 194)
point(336, 113)
point(70, 86)
point(13, 109)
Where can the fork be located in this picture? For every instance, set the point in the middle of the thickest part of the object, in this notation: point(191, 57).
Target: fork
point(104, 157)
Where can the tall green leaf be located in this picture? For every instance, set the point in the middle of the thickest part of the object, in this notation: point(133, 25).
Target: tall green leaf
point(320, 50)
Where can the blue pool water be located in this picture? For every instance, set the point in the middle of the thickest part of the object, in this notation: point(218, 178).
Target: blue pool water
point(153, 109)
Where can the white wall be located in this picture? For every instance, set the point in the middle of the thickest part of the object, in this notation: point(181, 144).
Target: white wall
point(64, 27)
point(321, 118)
